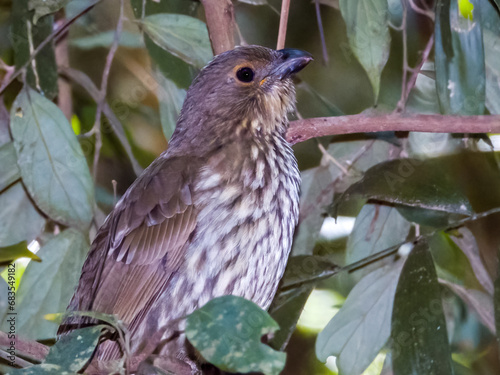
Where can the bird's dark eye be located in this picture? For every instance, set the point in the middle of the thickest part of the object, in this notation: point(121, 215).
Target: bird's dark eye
point(245, 74)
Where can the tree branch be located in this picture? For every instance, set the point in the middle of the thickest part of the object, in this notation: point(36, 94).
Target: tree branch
point(220, 23)
point(302, 130)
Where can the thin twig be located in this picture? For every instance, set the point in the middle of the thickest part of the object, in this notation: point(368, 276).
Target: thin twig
point(64, 98)
point(419, 10)
point(285, 7)
point(32, 49)
point(42, 45)
point(418, 68)
point(321, 31)
point(302, 130)
point(387, 252)
point(83, 80)
point(332, 159)
point(104, 89)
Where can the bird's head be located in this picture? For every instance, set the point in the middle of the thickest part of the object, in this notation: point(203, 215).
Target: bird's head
point(248, 86)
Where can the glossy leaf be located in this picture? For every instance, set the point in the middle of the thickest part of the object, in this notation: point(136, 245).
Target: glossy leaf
point(9, 171)
point(171, 99)
point(411, 183)
point(13, 252)
point(227, 332)
point(44, 7)
point(20, 220)
point(69, 354)
point(183, 36)
point(52, 164)
point(419, 338)
point(460, 71)
point(105, 40)
point(357, 333)
point(376, 228)
point(368, 34)
point(47, 287)
point(22, 31)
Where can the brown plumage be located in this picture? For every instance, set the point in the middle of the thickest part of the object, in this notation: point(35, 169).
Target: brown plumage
point(213, 215)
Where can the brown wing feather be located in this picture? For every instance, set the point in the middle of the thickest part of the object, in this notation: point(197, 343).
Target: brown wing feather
point(140, 244)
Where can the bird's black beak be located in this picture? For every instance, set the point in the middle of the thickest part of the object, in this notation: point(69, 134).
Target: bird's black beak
point(291, 61)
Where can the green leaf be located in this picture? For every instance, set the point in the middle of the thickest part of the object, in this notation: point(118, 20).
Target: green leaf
point(9, 171)
point(496, 302)
point(20, 220)
point(361, 328)
point(4, 126)
point(52, 164)
point(44, 7)
point(451, 263)
point(429, 185)
point(227, 332)
point(465, 240)
point(460, 71)
point(69, 354)
point(376, 228)
point(22, 30)
point(419, 338)
point(320, 183)
point(4, 298)
point(286, 310)
point(13, 252)
point(171, 67)
point(105, 40)
point(171, 98)
point(47, 287)
point(478, 301)
point(316, 192)
point(183, 36)
point(368, 34)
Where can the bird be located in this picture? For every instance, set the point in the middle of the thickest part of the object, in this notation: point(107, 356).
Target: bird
point(213, 215)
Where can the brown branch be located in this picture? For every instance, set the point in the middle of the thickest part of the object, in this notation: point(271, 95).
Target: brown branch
point(220, 23)
point(285, 7)
point(302, 130)
point(27, 348)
